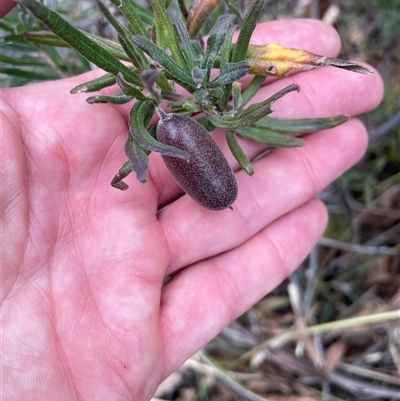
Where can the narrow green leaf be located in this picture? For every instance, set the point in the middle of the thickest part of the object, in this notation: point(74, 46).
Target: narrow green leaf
point(30, 75)
point(120, 98)
point(266, 106)
point(180, 75)
point(167, 30)
point(129, 89)
point(197, 50)
point(238, 153)
point(214, 43)
point(223, 60)
point(129, 9)
point(13, 38)
point(23, 60)
point(185, 42)
point(115, 49)
point(80, 42)
point(252, 89)
point(138, 157)
point(124, 36)
point(234, 7)
point(45, 38)
point(301, 126)
point(231, 72)
point(147, 16)
point(252, 114)
point(95, 84)
point(6, 26)
point(142, 136)
point(237, 96)
point(124, 171)
point(157, 35)
point(270, 138)
point(136, 57)
point(226, 48)
point(249, 24)
point(163, 83)
point(146, 120)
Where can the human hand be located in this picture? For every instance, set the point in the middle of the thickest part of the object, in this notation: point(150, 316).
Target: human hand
point(6, 6)
point(85, 312)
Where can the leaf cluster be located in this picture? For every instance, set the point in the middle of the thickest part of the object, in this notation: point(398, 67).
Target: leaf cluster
point(154, 55)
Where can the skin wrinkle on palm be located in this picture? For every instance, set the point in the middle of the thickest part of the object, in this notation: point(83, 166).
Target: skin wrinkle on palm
point(73, 296)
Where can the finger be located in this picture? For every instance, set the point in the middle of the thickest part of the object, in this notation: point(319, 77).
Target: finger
point(306, 34)
point(202, 299)
point(325, 92)
point(6, 6)
point(283, 180)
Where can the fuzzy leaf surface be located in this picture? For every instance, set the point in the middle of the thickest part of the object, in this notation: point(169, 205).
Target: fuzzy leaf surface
point(224, 58)
point(231, 72)
point(164, 25)
point(138, 158)
point(238, 153)
point(185, 42)
point(252, 114)
point(120, 98)
point(270, 138)
point(96, 84)
point(301, 126)
point(252, 89)
point(249, 24)
point(136, 56)
point(49, 38)
point(129, 9)
point(181, 76)
point(129, 89)
point(214, 42)
point(237, 96)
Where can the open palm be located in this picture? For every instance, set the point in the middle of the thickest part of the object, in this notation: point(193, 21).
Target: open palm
point(85, 312)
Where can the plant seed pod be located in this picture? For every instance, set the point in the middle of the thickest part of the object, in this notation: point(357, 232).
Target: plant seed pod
point(207, 178)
